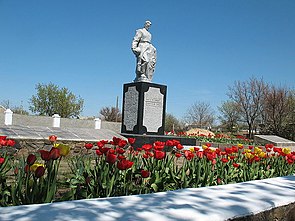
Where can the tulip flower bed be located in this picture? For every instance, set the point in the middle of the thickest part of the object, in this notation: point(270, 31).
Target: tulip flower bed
point(218, 138)
point(115, 168)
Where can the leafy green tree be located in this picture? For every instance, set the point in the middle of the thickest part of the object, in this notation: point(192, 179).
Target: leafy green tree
point(50, 99)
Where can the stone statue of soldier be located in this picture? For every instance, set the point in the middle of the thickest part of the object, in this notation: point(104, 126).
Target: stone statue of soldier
point(146, 54)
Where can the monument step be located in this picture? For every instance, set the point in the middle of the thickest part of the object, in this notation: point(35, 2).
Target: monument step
point(275, 140)
point(150, 139)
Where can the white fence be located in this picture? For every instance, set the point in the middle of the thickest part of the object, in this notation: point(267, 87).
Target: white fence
point(9, 118)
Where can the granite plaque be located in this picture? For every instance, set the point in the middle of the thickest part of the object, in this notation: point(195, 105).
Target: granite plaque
point(143, 108)
point(153, 109)
point(130, 108)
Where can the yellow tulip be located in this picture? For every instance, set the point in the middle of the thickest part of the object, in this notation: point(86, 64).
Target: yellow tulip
point(257, 150)
point(64, 149)
point(247, 151)
point(286, 150)
point(192, 149)
point(35, 166)
point(249, 155)
point(240, 146)
point(262, 154)
point(204, 147)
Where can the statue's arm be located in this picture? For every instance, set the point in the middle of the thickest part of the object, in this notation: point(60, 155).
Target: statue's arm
point(135, 42)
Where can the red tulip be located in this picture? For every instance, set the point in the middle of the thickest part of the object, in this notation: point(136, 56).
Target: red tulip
point(122, 143)
point(100, 144)
point(176, 142)
point(121, 157)
point(45, 155)
point(104, 149)
point(88, 145)
point(159, 145)
point(120, 150)
point(189, 155)
point(224, 160)
point(196, 149)
point(124, 164)
point(27, 168)
point(147, 147)
point(179, 146)
point(131, 140)
point(159, 155)
point(31, 159)
point(235, 149)
point(219, 180)
point(236, 165)
point(54, 153)
point(116, 140)
point(2, 160)
point(232, 157)
point(178, 155)
point(112, 151)
point(200, 154)
point(3, 142)
point(98, 152)
point(111, 158)
point(169, 143)
point(145, 173)
point(39, 171)
point(10, 143)
point(52, 138)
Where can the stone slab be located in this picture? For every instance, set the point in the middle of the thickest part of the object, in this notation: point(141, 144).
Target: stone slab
point(215, 203)
point(276, 140)
point(67, 134)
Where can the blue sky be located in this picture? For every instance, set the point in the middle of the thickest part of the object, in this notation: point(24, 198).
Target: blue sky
point(202, 47)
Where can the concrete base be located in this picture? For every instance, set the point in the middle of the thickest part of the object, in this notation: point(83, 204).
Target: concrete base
point(150, 139)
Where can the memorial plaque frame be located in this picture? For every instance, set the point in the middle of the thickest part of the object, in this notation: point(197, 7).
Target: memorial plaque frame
point(145, 104)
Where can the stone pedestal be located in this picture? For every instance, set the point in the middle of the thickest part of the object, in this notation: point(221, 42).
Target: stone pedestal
point(144, 106)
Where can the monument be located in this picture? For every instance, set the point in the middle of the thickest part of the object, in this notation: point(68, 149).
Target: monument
point(145, 52)
point(144, 102)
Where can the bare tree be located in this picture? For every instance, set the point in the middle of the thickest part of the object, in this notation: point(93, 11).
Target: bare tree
point(110, 114)
point(5, 104)
point(276, 107)
point(200, 114)
point(172, 123)
point(230, 115)
point(290, 126)
point(249, 96)
point(15, 109)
